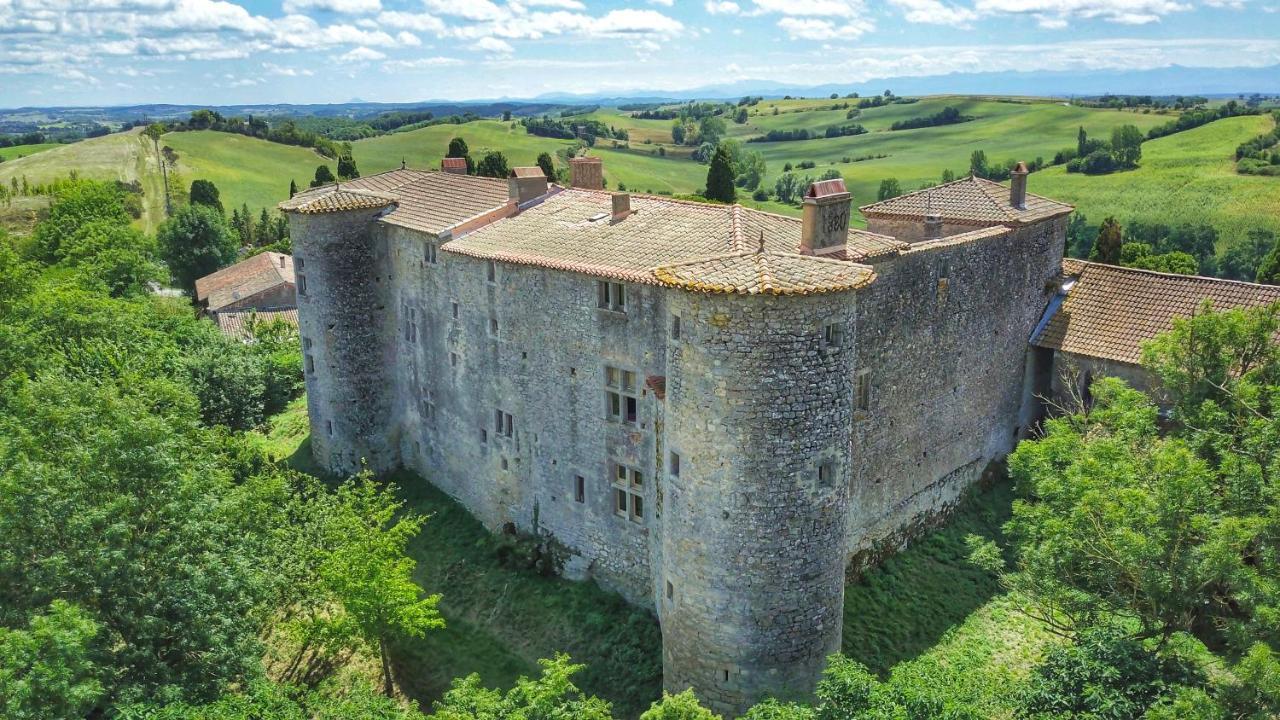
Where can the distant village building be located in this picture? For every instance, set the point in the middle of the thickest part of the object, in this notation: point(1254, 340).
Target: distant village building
point(240, 324)
point(264, 283)
point(714, 409)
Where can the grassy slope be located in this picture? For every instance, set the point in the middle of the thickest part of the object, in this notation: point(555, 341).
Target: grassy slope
point(925, 611)
point(1186, 177)
point(423, 148)
point(17, 151)
point(248, 171)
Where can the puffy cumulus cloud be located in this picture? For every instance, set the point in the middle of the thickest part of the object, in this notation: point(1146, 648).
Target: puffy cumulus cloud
point(935, 12)
point(1058, 13)
point(285, 71)
point(817, 29)
point(811, 8)
point(345, 7)
point(472, 9)
point(425, 63)
point(494, 46)
point(722, 7)
point(636, 22)
point(418, 22)
point(362, 54)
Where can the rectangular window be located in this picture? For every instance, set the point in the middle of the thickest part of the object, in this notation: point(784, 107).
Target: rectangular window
point(301, 281)
point(628, 488)
point(429, 253)
point(306, 343)
point(309, 362)
point(328, 428)
point(298, 263)
point(579, 488)
point(863, 399)
point(826, 475)
point(455, 311)
point(493, 326)
point(671, 591)
point(484, 436)
point(833, 335)
point(429, 407)
point(453, 359)
point(621, 402)
point(503, 424)
point(491, 271)
point(675, 327)
point(611, 296)
point(674, 465)
point(411, 325)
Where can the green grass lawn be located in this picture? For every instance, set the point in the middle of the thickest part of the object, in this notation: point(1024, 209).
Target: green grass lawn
point(248, 171)
point(1186, 177)
point(18, 151)
point(423, 148)
point(926, 610)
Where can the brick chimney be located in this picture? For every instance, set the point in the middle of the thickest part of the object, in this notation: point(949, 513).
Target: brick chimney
point(457, 166)
point(526, 183)
point(826, 216)
point(1018, 186)
point(621, 206)
point(586, 173)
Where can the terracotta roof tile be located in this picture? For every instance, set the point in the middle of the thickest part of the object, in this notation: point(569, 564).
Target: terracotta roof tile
point(432, 202)
point(335, 198)
point(527, 172)
point(970, 200)
point(239, 324)
point(245, 279)
point(1110, 311)
point(453, 163)
point(765, 273)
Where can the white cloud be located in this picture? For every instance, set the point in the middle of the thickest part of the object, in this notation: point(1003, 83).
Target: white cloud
point(283, 71)
point(494, 46)
point(362, 54)
point(419, 64)
point(346, 7)
point(812, 8)
point(1057, 13)
point(636, 22)
point(935, 12)
point(468, 9)
point(722, 7)
point(663, 3)
point(418, 22)
point(815, 29)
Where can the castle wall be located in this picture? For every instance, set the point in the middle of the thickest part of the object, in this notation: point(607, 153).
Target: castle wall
point(345, 326)
point(942, 336)
point(546, 369)
point(756, 403)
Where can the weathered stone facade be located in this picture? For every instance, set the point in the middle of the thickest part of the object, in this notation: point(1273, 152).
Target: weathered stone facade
point(716, 456)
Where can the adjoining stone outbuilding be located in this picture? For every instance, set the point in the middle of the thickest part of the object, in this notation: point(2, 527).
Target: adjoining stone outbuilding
point(715, 409)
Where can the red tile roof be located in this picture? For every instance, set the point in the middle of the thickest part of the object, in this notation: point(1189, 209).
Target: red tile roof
point(245, 279)
point(240, 324)
point(970, 200)
point(1110, 311)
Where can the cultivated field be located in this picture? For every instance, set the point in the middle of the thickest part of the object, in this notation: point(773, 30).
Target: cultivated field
point(247, 171)
point(19, 151)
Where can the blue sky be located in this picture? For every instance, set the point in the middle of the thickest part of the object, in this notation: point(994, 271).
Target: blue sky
point(76, 52)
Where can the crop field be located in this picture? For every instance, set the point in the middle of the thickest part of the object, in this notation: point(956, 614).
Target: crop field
point(1186, 177)
point(19, 151)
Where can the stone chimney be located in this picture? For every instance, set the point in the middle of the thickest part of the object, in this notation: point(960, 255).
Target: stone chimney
point(826, 216)
point(932, 227)
point(1018, 186)
point(621, 206)
point(282, 262)
point(525, 184)
point(586, 173)
point(457, 166)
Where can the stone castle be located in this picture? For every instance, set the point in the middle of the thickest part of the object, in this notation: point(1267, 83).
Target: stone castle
point(713, 408)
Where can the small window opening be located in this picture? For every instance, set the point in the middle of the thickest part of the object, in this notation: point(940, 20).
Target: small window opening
point(455, 310)
point(864, 391)
point(833, 335)
point(674, 464)
point(826, 475)
point(675, 327)
point(504, 464)
point(579, 488)
point(328, 427)
point(621, 402)
point(628, 484)
point(611, 296)
point(484, 436)
point(429, 253)
point(429, 406)
point(453, 359)
point(310, 363)
point(671, 591)
point(491, 271)
point(298, 263)
point(503, 424)
point(493, 326)
point(726, 675)
point(300, 281)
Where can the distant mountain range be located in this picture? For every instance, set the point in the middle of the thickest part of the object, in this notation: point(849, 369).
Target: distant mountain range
point(1173, 80)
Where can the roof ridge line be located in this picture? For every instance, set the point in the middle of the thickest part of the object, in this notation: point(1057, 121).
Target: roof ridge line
point(735, 227)
point(1175, 276)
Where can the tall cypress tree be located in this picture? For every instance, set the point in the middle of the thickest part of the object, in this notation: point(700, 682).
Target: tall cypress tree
point(1106, 249)
point(720, 177)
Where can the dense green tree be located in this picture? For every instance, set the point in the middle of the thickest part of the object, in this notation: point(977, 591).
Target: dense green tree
point(347, 167)
point(790, 187)
point(720, 177)
point(458, 149)
point(1143, 256)
point(324, 176)
point(1082, 143)
point(1126, 145)
point(195, 242)
point(1269, 267)
point(889, 188)
point(1242, 259)
point(548, 166)
point(293, 188)
point(230, 382)
point(681, 706)
point(948, 176)
point(204, 192)
point(710, 129)
point(47, 670)
point(552, 695)
point(1106, 248)
point(74, 205)
point(978, 166)
point(494, 165)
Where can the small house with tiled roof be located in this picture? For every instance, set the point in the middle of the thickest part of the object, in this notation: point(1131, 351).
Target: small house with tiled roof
point(715, 410)
point(263, 281)
point(1102, 315)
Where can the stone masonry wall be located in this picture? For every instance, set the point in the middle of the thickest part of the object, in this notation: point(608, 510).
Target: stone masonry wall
point(756, 403)
point(912, 231)
point(545, 367)
point(343, 319)
point(942, 337)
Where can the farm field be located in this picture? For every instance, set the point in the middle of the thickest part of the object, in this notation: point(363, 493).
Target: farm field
point(20, 151)
point(1186, 177)
point(248, 171)
point(423, 148)
point(937, 614)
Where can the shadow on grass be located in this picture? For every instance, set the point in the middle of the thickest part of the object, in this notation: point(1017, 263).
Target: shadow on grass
point(901, 609)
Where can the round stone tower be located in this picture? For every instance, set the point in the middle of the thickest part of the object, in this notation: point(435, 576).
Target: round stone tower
point(759, 404)
point(344, 289)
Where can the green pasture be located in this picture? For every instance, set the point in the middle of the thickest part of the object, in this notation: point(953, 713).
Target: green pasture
point(248, 171)
point(423, 148)
point(18, 151)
